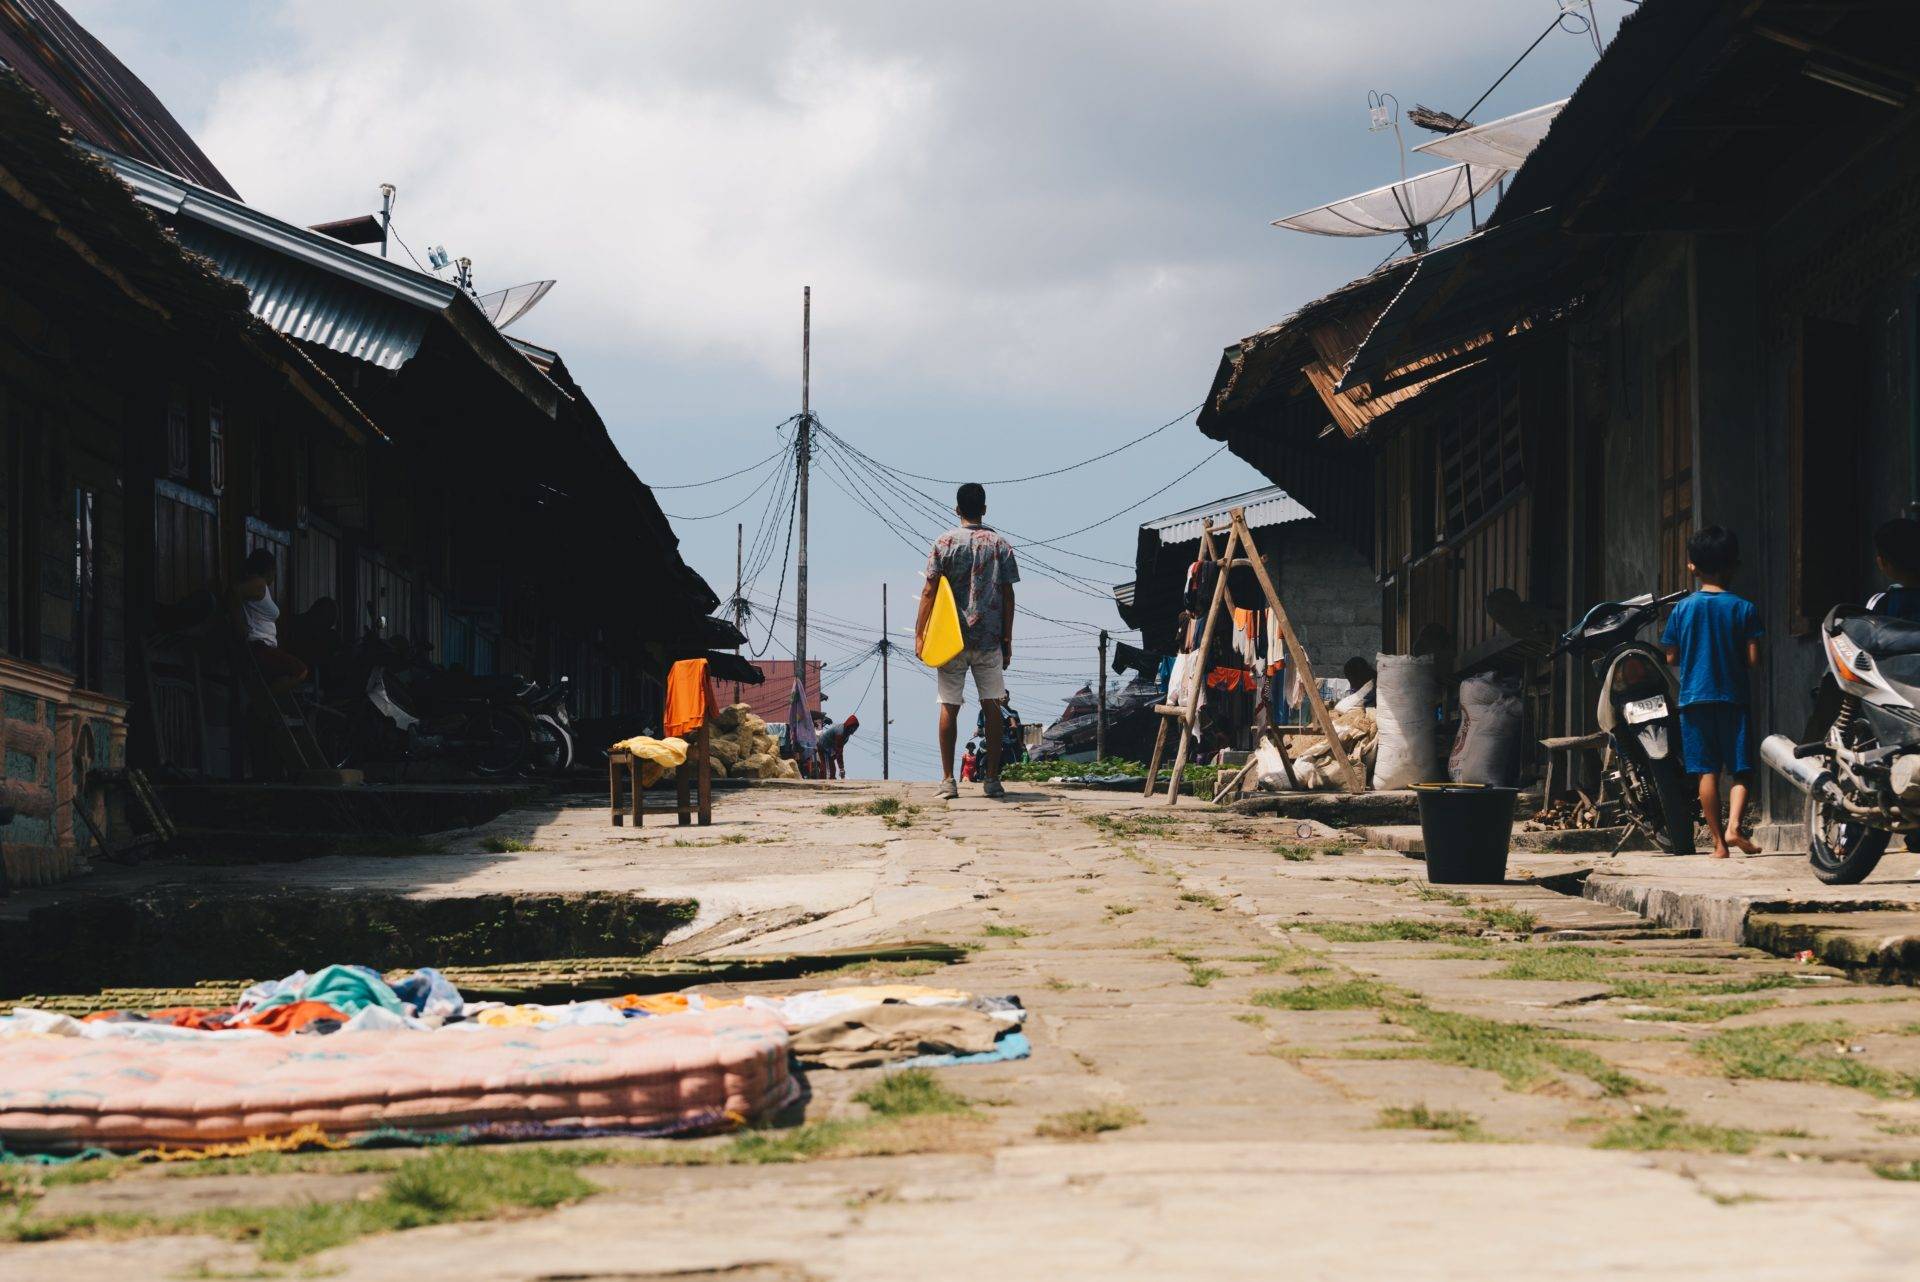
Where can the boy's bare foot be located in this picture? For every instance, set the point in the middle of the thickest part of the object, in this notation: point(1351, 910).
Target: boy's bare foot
point(1720, 852)
point(1743, 843)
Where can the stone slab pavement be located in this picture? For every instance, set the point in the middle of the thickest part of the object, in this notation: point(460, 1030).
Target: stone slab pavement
point(1317, 1067)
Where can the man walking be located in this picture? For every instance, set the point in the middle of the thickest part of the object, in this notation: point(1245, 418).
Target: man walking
point(977, 563)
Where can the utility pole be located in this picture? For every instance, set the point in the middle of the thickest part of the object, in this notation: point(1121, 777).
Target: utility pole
point(886, 704)
point(386, 215)
point(1100, 721)
point(739, 605)
point(806, 448)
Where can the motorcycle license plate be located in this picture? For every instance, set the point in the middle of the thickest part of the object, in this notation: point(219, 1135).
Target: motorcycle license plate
point(1641, 710)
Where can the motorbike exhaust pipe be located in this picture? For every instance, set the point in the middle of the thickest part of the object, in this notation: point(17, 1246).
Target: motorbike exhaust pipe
point(1804, 773)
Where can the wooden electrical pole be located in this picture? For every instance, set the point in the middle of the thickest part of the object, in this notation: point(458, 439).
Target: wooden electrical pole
point(739, 605)
point(806, 449)
point(886, 703)
point(1100, 720)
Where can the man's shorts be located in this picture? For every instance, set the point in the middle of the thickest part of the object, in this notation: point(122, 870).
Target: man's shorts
point(989, 676)
point(1714, 738)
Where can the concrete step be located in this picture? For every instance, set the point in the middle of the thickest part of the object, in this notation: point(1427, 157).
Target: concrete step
point(1407, 839)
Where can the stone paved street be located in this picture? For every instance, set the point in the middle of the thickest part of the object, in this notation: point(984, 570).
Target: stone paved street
point(1313, 1065)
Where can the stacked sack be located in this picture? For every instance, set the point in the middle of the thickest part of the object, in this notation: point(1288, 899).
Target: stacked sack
point(742, 748)
point(1313, 764)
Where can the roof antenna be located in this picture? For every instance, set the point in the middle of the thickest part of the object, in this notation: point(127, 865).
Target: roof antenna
point(1379, 119)
point(387, 193)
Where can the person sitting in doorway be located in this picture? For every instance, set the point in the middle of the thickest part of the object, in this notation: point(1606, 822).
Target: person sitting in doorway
point(258, 616)
point(1360, 676)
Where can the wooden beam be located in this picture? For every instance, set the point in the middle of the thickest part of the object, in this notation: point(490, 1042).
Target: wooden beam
point(1297, 655)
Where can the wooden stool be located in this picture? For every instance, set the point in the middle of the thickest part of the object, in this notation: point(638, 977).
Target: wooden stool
point(693, 784)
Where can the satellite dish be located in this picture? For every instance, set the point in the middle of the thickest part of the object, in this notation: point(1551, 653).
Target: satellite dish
point(1398, 209)
point(505, 306)
point(1502, 143)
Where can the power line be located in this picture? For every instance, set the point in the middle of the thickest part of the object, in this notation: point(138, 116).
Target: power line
point(1130, 507)
point(694, 485)
point(1037, 476)
point(708, 516)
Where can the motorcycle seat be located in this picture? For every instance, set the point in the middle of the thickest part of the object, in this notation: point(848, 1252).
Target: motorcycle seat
point(1881, 635)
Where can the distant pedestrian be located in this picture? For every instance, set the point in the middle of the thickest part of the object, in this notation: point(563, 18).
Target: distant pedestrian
point(833, 747)
point(1712, 639)
point(969, 761)
point(978, 565)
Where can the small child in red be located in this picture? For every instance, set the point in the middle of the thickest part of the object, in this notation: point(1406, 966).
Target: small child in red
point(969, 761)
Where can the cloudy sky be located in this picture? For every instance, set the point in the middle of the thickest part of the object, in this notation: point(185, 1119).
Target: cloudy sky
point(1029, 228)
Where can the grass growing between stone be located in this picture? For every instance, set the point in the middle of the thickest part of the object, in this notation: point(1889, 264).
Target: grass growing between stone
point(1464, 1127)
point(446, 1187)
point(1085, 1123)
point(1006, 932)
point(907, 1112)
point(505, 846)
point(1345, 994)
point(1567, 963)
point(1664, 1129)
point(1398, 928)
point(1802, 1052)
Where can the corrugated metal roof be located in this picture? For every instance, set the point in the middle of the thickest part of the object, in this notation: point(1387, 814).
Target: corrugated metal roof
point(1271, 506)
point(315, 306)
point(94, 93)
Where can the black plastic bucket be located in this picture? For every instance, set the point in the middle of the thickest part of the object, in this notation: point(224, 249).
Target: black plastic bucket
point(1466, 831)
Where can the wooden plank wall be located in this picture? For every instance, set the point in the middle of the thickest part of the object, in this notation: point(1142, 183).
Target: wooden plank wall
point(1495, 554)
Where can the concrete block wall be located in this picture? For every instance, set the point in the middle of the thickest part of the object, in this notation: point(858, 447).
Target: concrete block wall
point(1330, 594)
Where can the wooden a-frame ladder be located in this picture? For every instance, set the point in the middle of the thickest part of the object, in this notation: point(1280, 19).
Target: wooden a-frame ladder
point(1238, 551)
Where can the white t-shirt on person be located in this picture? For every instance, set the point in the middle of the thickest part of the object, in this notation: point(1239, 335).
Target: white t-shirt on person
point(263, 619)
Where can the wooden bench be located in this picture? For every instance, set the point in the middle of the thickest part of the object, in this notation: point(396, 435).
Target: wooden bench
point(693, 784)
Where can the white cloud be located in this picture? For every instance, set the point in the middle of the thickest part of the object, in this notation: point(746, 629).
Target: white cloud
point(1051, 197)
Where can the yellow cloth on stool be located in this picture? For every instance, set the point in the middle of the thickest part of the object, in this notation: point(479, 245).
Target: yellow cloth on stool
point(656, 756)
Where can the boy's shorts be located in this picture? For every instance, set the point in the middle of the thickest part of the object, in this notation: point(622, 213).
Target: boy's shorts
point(989, 676)
point(1714, 738)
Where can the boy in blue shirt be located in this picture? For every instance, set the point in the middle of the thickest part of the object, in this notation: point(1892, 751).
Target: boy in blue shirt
point(1712, 638)
point(1896, 550)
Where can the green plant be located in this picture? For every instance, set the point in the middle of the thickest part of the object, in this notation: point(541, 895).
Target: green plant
point(505, 846)
point(1086, 1123)
point(1418, 1117)
point(1782, 1053)
point(1668, 1128)
point(913, 1092)
point(1006, 932)
point(1562, 962)
point(1345, 994)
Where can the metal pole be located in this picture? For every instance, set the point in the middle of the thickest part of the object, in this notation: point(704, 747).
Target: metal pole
point(739, 606)
point(806, 447)
point(1100, 722)
point(886, 701)
point(386, 215)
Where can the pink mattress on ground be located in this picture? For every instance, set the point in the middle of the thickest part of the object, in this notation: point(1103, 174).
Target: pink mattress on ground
point(668, 1072)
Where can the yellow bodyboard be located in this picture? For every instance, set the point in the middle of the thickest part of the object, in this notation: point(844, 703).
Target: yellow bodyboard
point(943, 639)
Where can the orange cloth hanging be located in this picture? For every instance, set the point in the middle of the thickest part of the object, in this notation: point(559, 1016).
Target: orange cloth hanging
point(689, 697)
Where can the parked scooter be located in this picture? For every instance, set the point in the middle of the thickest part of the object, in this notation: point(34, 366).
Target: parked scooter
point(1638, 713)
point(399, 707)
point(1862, 773)
point(552, 751)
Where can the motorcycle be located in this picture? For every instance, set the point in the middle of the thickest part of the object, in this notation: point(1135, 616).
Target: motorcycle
point(402, 707)
point(1860, 768)
point(552, 726)
point(1638, 715)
